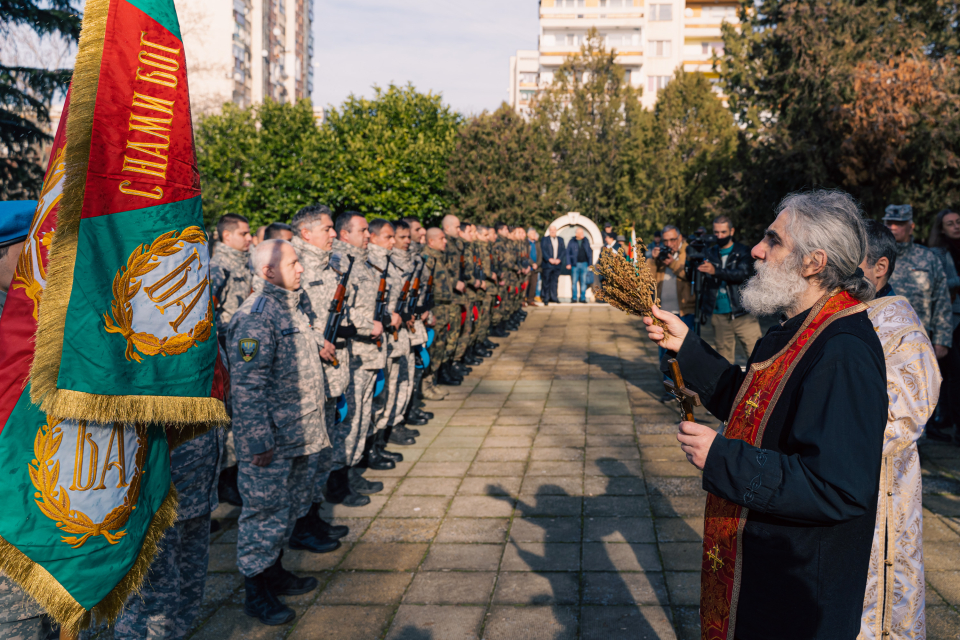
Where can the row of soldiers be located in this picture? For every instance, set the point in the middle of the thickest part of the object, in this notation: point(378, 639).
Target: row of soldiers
point(334, 331)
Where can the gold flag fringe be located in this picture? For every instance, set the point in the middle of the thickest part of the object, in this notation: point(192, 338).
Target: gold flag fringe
point(45, 369)
point(59, 604)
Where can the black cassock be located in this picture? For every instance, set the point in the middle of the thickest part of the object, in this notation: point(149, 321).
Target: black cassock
point(806, 543)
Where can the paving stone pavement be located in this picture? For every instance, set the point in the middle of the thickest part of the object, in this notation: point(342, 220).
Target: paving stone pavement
point(547, 499)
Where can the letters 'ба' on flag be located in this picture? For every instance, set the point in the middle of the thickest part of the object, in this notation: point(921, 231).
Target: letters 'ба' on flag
point(125, 359)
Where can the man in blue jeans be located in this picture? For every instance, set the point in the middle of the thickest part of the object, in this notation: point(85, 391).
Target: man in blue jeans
point(579, 259)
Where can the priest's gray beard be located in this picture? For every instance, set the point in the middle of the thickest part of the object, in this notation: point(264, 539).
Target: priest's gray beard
point(775, 289)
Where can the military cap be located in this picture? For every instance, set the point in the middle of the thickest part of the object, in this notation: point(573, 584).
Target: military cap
point(15, 219)
point(898, 213)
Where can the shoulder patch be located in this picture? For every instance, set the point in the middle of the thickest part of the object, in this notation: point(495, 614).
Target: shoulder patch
point(249, 348)
point(259, 304)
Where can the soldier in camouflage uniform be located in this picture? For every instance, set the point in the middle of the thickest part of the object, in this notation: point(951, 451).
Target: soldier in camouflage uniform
point(173, 590)
point(366, 358)
point(429, 388)
point(921, 279)
point(463, 297)
point(19, 613)
point(477, 288)
point(489, 293)
point(445, 310)
point(277, 392)
point(313, 226)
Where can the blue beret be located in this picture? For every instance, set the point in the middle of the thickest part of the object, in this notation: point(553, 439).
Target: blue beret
point(15, 219)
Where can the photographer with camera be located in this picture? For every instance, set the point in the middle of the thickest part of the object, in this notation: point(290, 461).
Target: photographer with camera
point(725, 266)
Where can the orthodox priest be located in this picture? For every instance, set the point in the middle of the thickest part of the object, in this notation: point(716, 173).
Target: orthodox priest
point(792, 480)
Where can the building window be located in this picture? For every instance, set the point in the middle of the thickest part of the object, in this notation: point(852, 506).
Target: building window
point(708, 48)
point(571, 39)
point(628, 76)
point(660, 49)
point(528, 78)
point(661, 12)
point(655, 83)
point(527, 95)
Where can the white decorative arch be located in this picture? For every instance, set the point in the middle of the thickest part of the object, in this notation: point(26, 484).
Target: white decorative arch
point(575, 219)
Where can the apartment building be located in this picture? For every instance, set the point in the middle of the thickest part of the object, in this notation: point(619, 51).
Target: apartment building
point(244, 51)
point(652, 39)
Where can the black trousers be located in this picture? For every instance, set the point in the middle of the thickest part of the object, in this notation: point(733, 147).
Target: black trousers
point(548, 288)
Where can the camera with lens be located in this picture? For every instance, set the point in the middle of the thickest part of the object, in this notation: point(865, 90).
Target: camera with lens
point(697, 252)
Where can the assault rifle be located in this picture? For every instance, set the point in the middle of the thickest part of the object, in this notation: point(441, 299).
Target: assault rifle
point(427, 296)
point(382, 292)
point(401, 303)
point(337, 308)
point(414, 299)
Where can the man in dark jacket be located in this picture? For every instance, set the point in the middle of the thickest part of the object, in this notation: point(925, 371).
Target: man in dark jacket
point(579, 259)
point(728, 265)
point(554, 253)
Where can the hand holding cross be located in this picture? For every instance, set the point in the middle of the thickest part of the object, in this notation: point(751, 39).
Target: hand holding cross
point(688, 399)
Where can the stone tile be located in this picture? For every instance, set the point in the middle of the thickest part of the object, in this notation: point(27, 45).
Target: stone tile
point(493, 530)
point(557, 453)
point(552, 468)
point(428, 486)
point(600, 556)
point(487, 485)
point(594, 429)
point(623, 588)
point(460, 431)
point(934, 529)
point(537, 588)
point(669, 453)
point(616, 506)
point(539, 556)
point(365, 588)
point(442, 587)
point(687, 622)
point(432, 622)
point(517, 420)
point(682, 556)
point(230, 623)
point(675, 469)
point(562, 429)
point(942, 622)
point(513, 432)
point(481, 507)
point(546, 530)
point(941, 556)
point(551, 485)
point(339, 511)
point(679, 529)
point(402, 530)
point(510, 623)
point(554, 442)
point(620, 623)
point(437, 453)
point(458, 441)
point(304, 561)
point(463, 557)
point(612, 453)
point(684, 587)
point(658, 486)
point(618, 530)
point(384, 556)
point(676, 506)
point(440, 469)
point(494, 469)
point(613, 486)
point(550, 505)
point(613, 468)
point(502, 455)
point(416, 507)
point(947, 584)
point(495, 442)
point(341, 623)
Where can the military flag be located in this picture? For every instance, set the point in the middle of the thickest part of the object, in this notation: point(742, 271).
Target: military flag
point(107, 342)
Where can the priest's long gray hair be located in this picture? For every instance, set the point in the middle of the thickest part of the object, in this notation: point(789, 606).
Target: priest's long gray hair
point(830, 221)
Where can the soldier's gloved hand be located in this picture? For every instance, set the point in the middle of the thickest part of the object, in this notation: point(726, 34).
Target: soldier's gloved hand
point(377, 329)
point(329, 351)
point(263, 459)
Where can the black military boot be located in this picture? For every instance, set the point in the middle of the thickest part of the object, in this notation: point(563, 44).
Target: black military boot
point(227, 490)
point(415, 419)
point(489, 344)
point(462, 368)
point(389, 455)
point(422, 413)
point(323, 528)
point(447, 377)
point(500, 331)
point(372, 457)
point(470, 359)
point(410, 433)
point(360, 484)
point(284, 583)
point(306, 537)
point(397, 436)
point(480, 352)
point(339, 491)
point(263, 604)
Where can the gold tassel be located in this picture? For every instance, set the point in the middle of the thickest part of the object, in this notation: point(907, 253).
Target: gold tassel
point(56, 601)
point(45, 369)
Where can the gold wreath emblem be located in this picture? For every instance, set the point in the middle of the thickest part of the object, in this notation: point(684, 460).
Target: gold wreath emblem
point(54, 501)
point(128, 283)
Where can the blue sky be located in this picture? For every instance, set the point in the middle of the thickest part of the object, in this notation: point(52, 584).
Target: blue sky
point(459, 48)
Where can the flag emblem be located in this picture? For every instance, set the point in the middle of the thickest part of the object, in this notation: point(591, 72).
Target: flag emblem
point(162, 303)
point(249, 348)
point(88, 479)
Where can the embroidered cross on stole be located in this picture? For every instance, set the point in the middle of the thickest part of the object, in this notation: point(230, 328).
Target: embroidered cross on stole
point(724, 521)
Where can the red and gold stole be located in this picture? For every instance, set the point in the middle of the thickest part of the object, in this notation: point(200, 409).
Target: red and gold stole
point(724, 520)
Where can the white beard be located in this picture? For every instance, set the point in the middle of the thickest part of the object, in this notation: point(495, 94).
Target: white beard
point(774, 290)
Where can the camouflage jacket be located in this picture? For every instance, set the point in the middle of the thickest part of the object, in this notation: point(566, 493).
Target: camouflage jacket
point(409, 262)
point(319, 282)
point(276, 378)
point(231, 281)
point(523, 251)
point(396, 276)
point(416, 248)
point(919, 277)
point(506, 260)
point(437, 267)
point(194, 469)
point(362, 301)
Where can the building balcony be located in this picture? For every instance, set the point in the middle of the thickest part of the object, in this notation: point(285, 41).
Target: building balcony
point(635, 20)
point(575, 11)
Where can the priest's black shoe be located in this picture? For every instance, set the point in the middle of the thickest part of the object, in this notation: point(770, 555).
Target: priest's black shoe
point(410, 433)
point(361, 485)
point(305, 537)
point(227, 490)
point(324, 529)
point(339, 491)
point(284, 583)
point(263, 604)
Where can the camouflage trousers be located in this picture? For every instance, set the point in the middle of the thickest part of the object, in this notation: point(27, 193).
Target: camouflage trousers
point(359, 412)
point(274, 497)
point(19, 613)
point(390, 405)
point(331, 458)
point(482, 330)
point(173, 589)
point(441, 335)
point(465, 322)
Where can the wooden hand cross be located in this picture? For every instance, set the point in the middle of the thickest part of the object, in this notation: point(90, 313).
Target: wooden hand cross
point(688, 399)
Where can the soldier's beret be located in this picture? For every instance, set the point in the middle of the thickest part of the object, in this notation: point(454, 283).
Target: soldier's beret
point(15, 219)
